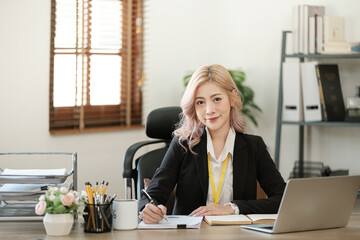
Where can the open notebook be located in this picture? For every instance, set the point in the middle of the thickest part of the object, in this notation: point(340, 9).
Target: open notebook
point(240, 219)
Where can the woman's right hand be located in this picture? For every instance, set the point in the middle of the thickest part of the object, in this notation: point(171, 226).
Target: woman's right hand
point(152, 214)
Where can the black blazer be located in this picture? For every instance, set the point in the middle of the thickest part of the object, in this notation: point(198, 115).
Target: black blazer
point(251, 162)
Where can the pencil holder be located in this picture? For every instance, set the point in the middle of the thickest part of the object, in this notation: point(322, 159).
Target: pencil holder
point(98, 218)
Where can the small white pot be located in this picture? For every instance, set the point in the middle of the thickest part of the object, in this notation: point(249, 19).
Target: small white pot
point(58, 224)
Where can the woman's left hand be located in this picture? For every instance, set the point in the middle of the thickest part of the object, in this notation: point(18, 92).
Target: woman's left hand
point(212, 210)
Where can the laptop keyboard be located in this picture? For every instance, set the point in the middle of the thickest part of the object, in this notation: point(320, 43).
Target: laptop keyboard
point(268, 227)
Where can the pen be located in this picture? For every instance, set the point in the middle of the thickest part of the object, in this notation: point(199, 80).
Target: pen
point(152, 201)
point(96, 187)
point(112, 198)
point(103, 191)
point(101, 186)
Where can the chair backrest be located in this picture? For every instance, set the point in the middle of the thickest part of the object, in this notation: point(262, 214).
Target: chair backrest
point(146, 167)
point(160, 124)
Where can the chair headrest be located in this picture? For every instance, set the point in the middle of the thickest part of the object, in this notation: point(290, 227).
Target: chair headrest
point(160, 123)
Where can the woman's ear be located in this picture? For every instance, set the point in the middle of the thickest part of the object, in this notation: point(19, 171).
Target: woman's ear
point(232, 101)
point(235, 91)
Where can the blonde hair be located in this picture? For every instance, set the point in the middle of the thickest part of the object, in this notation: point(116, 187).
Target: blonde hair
point(190, 129)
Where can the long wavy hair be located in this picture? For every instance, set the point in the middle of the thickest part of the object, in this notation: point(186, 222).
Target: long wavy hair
point(190, 129)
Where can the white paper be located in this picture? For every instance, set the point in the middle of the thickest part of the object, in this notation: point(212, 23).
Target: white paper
point(174, 221)
point(12, 187)
point(228, 218)
point(34, 172)
point(256, 217)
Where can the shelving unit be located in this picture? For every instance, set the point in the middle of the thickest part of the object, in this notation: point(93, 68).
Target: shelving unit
point(20, 205)
point(280, 122)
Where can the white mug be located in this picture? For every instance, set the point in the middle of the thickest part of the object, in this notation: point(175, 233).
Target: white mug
point(125, 214)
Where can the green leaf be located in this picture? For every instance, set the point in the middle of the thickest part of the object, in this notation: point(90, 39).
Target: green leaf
point(57, 202)
point(57, 193)
point(253, 105)
point(49, 210)
point(60, 209)
point(187, 79)
point(73, 207)
point(252, 118)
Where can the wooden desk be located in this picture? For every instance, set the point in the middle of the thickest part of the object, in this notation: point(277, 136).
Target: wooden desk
point(35, 230)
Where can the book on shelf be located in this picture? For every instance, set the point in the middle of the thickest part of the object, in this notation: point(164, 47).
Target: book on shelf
point(334, 36)
point(331, 97)
point(310, 27)
point(319, 37)
point(312, 35)
point(334, 28)
point(304, 27)
point(336, 47)
point(296, 28)
point(240, 219)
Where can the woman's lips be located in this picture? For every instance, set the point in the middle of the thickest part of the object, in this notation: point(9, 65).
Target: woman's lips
point(212, 119)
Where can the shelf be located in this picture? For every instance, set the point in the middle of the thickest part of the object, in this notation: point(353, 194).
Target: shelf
point(350, 55)
point(328, 124)
point(301, 125)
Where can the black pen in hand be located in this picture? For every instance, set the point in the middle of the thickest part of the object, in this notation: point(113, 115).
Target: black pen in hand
point(152, 201)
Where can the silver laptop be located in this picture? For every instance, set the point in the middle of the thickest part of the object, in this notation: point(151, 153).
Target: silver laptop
point(314, 203)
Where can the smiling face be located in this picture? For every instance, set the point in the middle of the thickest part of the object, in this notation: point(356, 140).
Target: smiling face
point(212, 106)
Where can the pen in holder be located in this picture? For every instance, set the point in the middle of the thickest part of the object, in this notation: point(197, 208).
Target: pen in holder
point(98, 218)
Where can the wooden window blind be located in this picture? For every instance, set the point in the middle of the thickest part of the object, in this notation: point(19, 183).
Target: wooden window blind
point(95, 65)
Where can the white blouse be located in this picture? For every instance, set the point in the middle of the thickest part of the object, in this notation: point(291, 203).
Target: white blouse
point(226, 194)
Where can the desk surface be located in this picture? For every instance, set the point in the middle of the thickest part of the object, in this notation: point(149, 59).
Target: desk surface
point(35, 230)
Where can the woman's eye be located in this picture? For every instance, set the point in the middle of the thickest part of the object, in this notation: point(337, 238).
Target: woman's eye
point(217, 99)
point(200, 102)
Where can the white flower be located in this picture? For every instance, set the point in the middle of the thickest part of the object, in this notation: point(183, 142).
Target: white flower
point(42, 198)
point(63, 190)
point(52, 198)
point(83, 194)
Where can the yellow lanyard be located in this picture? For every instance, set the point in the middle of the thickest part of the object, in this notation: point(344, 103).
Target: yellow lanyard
point(216, 194)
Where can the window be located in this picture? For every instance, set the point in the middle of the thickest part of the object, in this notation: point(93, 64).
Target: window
point(95, 65)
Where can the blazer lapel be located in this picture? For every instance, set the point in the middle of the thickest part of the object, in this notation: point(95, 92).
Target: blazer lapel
point(202, 166)
point(240, 163)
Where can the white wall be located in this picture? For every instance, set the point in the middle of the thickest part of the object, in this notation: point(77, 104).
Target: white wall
point(180, 36)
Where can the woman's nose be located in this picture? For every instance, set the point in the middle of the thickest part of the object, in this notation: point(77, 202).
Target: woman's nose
point(209, 108)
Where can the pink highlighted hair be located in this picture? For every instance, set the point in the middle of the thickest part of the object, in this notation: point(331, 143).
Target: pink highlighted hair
point(190, 129)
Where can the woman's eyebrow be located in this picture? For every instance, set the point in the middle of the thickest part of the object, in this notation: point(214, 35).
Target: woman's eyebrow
point(213, 95)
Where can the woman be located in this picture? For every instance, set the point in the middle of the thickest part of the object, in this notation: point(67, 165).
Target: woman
point(214, 165)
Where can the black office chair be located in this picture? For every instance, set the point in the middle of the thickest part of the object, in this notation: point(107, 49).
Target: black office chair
point(160, 124)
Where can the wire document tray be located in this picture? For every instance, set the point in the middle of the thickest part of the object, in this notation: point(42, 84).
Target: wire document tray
point(20, 188)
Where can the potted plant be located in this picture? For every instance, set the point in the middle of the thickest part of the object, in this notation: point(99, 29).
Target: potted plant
point(249, 106)
point(59, 205)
